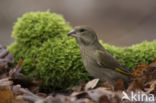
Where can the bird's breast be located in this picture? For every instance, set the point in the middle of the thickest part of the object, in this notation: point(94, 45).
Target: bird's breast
point(89, 61)
point(88, 57)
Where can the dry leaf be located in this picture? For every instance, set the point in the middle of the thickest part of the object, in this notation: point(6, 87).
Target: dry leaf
point(152, 87)
point(139, 70)
point(104, 99)
point(6, 96)
point(20, 100)
point(107, 85)
point(153, 64)
point(5, 83)
point(91, 84)
point(119, 85)
point(5, 58)
point(16, 71)
point(29, 96)
point(135, 85)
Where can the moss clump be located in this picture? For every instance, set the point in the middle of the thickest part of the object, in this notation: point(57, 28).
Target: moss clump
point(41, 41)
point(49, 54)
point(33, 29)
point(62, 61)
point(130, 57)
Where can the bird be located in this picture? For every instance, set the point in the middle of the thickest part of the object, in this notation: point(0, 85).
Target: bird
point(96, 60)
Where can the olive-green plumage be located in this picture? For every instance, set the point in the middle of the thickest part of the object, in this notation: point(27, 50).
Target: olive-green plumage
point(97, 61)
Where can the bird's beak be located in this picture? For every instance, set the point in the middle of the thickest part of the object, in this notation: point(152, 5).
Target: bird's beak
point(72, 33)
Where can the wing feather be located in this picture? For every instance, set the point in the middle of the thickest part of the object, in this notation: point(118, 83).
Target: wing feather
point(108, 61)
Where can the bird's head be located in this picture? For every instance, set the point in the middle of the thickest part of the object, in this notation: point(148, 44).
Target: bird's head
point(84, 35)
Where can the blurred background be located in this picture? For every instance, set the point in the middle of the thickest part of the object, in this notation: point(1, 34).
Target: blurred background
point(117, 22)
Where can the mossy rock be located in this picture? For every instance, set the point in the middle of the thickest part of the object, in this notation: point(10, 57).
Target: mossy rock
point(49, 54)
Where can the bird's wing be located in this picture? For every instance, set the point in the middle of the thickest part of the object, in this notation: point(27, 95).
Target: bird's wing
point(108, 61)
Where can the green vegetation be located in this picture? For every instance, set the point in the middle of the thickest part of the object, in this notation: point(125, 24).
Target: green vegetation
point(130, 57)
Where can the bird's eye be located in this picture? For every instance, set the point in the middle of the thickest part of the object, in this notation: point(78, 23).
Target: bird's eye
point(81, 30)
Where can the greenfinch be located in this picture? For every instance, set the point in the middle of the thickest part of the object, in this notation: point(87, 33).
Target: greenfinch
point(97, 61)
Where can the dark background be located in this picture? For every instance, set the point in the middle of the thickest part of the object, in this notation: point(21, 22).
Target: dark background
point(118, 22)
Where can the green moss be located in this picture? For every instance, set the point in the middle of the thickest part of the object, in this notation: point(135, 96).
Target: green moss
point(41, 41)
point(35, 28)
point(62, 61)
point(144, 52)
point(48, 53)
point(28, 54)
